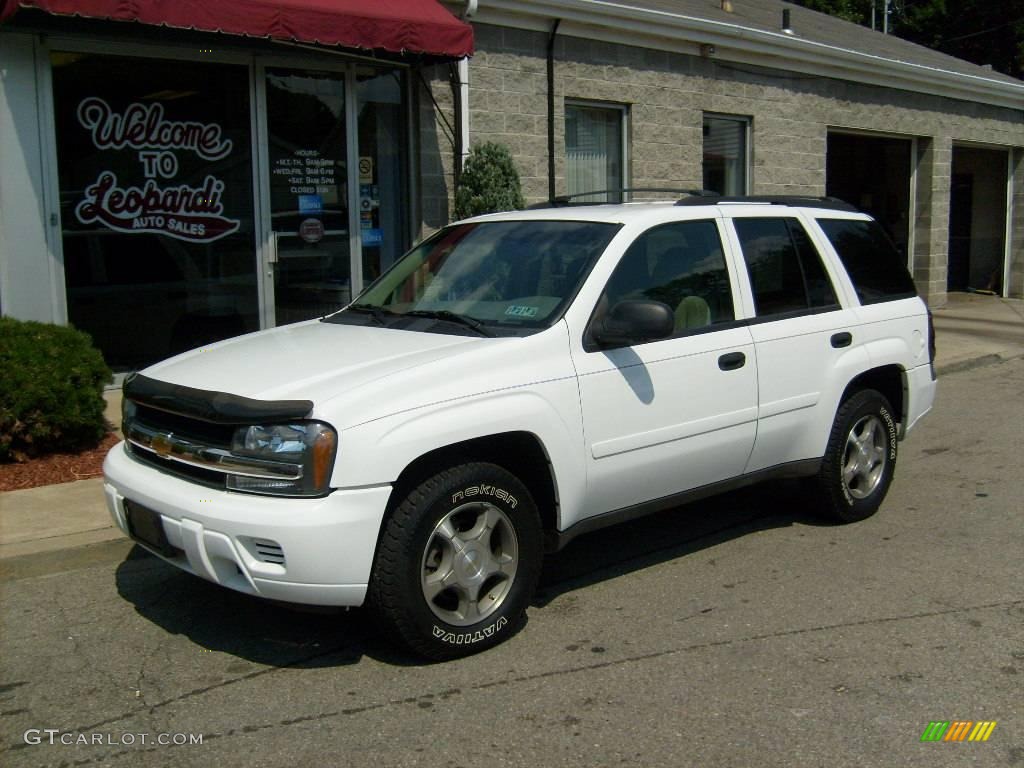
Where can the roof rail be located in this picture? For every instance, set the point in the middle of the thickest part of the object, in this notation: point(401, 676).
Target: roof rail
point(620, 195)
point(800, 201)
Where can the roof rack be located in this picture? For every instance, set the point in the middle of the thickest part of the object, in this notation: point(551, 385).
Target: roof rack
point(620, 194)
point(801, 201)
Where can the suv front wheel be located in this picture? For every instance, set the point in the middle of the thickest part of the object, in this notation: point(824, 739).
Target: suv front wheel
point(860, 458)
point(458, 562)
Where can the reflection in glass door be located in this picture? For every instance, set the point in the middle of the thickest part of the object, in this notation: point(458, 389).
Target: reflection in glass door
point(307, 144)
point(383, 195)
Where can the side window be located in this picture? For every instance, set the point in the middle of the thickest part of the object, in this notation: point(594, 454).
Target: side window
point(875, 267)
point(786, 273)
point(680, 264)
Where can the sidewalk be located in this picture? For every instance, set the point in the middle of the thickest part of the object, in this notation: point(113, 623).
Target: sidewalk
point(971, 330)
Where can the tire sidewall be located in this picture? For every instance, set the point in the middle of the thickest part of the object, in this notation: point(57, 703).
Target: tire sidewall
point(866, 403)
point(480, 482)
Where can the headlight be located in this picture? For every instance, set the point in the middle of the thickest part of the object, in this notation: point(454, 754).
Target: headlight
point(309, 446)
point(127, 414)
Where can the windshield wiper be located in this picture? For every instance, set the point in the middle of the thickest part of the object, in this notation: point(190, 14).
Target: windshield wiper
point(377, 313)
point(451, 317)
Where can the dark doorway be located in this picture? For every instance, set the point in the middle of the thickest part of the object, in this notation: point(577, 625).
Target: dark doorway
point(872, 173)
point(977, 220)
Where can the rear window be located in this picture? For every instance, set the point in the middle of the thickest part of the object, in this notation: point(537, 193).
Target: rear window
point(874, 265)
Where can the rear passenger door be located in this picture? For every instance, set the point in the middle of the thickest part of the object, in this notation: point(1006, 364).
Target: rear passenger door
point(805, 339)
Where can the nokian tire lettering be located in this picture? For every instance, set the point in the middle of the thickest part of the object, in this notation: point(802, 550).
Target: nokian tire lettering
point(485, 490)
point(458, 561)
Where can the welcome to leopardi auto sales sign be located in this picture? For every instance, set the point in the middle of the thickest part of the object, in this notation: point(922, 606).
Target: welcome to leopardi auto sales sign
point(183, 211)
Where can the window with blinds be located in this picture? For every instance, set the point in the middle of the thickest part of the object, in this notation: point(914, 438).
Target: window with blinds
point(594, 150)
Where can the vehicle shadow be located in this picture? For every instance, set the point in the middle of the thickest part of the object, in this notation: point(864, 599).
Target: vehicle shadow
point(280, 635)
point(674, 533)
point(250, 628)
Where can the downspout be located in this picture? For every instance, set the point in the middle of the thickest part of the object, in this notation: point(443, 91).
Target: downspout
point(551, 109)
point(460, 94)
point(464, 101)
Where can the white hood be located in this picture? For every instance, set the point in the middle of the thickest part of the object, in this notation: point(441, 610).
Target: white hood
point(309, 361)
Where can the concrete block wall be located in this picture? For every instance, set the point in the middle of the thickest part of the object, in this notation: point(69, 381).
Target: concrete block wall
point(666, 95)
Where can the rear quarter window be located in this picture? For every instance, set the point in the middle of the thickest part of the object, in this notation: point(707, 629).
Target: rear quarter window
point(873, 263)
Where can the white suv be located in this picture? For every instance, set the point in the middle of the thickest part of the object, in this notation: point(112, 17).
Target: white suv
point(517, 380)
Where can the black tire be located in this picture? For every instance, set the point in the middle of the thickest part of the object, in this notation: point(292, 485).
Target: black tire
point(860, 458)
point(446, 591)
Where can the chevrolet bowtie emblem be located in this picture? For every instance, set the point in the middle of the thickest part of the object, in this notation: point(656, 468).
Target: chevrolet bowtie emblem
point(161, 445)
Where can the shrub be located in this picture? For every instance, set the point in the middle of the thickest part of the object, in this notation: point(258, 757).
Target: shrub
point(489, 182)
point(51, 390)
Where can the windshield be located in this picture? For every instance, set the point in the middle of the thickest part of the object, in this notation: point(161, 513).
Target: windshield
point(512, 274)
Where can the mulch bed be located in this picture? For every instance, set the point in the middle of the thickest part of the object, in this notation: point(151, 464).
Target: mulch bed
point(56, 468)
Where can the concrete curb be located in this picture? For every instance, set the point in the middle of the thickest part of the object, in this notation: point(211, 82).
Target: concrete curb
point(975, 362)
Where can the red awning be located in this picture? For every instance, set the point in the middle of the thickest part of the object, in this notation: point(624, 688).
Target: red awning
point(397, 26)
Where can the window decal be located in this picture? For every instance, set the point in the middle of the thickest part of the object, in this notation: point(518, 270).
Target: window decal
point(184, 211)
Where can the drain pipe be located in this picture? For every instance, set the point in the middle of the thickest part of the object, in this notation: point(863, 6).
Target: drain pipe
point(463, 74)
point(551, 109)
point(459, 77)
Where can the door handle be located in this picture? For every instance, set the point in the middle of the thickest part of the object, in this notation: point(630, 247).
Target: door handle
point(272, 254)
point(732, 361)
point(843, 339)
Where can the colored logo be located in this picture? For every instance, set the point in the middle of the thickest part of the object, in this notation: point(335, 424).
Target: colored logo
point(161, 445)
point(958, 730)
point(311, 204)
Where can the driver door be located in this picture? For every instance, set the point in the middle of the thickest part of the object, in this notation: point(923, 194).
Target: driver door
point(675, 414)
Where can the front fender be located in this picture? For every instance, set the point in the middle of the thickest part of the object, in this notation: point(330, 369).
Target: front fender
point(377, 452)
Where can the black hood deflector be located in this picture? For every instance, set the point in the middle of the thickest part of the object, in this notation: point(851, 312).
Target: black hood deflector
point(207, 405)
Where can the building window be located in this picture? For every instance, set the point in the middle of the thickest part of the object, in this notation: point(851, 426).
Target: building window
point(725, 154)
point(155, 168)
point(595, 150)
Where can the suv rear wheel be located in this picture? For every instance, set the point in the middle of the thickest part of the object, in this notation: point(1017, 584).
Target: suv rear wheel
point(860, 458)
point(458, 562)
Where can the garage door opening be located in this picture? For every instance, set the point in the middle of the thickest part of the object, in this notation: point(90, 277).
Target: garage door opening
point(873, 173)
point(977, 220)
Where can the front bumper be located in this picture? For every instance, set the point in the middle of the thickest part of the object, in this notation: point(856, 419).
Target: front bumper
point(313, 551)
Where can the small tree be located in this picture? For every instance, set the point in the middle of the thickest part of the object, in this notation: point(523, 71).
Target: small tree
point(489, 182)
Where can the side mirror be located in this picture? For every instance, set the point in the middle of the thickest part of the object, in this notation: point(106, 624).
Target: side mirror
point(634, 322)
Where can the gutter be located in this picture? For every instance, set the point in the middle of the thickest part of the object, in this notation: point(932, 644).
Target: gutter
point(617, 23)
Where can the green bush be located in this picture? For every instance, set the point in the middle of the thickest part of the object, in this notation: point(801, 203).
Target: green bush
point(51, 390)
point(489, 182)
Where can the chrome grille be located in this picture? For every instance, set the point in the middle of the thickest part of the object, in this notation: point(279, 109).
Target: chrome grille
point(196, 450)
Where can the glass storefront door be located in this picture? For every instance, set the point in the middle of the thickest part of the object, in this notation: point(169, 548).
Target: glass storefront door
point(317, 265)
point(309, 201)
